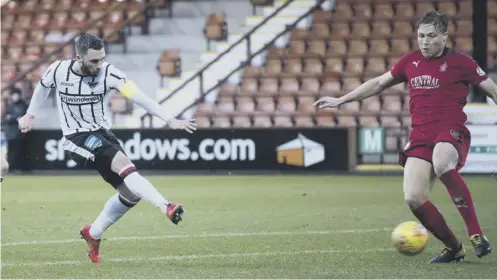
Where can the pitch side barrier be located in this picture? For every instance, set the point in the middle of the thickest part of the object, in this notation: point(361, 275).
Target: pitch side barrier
point(313, 149)
point(378, 148)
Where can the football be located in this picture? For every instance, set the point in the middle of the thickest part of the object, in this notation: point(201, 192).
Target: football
point(410, 238)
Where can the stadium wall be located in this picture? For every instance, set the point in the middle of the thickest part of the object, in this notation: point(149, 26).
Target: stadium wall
point(313, 149)
point(305, 150)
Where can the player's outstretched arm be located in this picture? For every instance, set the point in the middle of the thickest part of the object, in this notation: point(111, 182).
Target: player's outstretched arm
point(490, 89)
point(37, 100)
point(42, 91)
point(367, 89)
point(131, 91)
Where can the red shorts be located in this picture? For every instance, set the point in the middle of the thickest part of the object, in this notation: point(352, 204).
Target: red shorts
point(422, 141)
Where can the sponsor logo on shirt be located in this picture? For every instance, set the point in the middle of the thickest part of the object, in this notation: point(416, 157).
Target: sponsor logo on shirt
point(424, 82)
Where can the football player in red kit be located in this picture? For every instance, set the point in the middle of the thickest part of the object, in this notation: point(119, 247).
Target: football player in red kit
point(439, 80)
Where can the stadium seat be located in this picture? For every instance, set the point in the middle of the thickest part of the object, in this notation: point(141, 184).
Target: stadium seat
point(346, 121)
point(492, 9)
point(404, 11)
point(269, 86)
point(465, 9)
point(363, 11)
point(400, 46)
point(334, 65)
point(266, 105)
point(310, 86)
point(340, 30)
point(371, 104)
point(241, 121)
point(464, 44)
point(392, 103)
point(252, 72)
point(357, 48)
point(403, 29)
point(216, 27)
point(422, 8)
point(325, 121)
point(369, 121)
point(283, 121)
point(203, 122)
point(336, 48)
point(221, 122)
point(289, 86)
point(228, 90)
point(249, 86)
point(389, 121)
point(360, 29)
point(262, 121)
point(464, 28)
point(319, 31)
point(381, 29)
point(321, 17)
point(383, 11)
point(492, 26)
point(379, 47)
point(273, 68)
point(303, 121)
point(343, 11)
point(245, 105)
point(448, 8)
point(331, 88)
point(170, 63)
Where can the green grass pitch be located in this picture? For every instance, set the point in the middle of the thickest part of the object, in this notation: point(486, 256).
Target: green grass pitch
point(234, 227)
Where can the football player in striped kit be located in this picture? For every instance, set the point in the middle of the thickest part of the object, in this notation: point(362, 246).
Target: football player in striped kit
point(82, 86)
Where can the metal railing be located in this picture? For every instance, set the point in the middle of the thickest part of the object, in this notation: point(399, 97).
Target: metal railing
point(266, 46)
point(200, 73)
point(242, 64)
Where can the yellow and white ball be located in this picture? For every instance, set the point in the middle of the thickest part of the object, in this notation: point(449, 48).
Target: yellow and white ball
point(410, 238)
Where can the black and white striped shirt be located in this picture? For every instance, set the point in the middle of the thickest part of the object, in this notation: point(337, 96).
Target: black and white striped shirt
point(81, 100)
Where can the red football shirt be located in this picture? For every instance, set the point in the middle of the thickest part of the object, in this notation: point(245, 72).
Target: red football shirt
point(439, 87)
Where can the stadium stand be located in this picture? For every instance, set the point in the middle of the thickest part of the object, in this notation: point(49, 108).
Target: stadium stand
point(358, 40)
point(34, 29)
point(338, 51)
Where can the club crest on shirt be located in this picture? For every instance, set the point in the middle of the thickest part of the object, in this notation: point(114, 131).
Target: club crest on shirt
point(443, 67)
point(454, 134)
point(480, 71)
point(424, 82)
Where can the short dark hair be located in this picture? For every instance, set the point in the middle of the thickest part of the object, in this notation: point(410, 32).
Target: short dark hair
point(439, 21)
point(88, 41)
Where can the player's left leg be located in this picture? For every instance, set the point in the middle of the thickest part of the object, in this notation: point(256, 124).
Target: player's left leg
point(4, 168)
point(117, 205)
point(446, 162)
point(113, 210)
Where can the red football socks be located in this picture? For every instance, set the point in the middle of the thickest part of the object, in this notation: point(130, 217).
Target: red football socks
point(433, 221)
point(461, 196)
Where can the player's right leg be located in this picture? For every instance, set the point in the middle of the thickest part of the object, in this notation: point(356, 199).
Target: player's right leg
point(141, 187)
point(4, 168)
point(449, 155)
point(419, 178)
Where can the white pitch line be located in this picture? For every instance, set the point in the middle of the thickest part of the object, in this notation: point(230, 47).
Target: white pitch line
point(203, 235)
point(193, 257)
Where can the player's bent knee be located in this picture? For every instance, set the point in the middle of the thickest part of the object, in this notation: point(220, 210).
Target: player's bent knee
point(119, 162)
point(415, 200)
point(417, 178)
point(126, 196)
point(445, 158)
